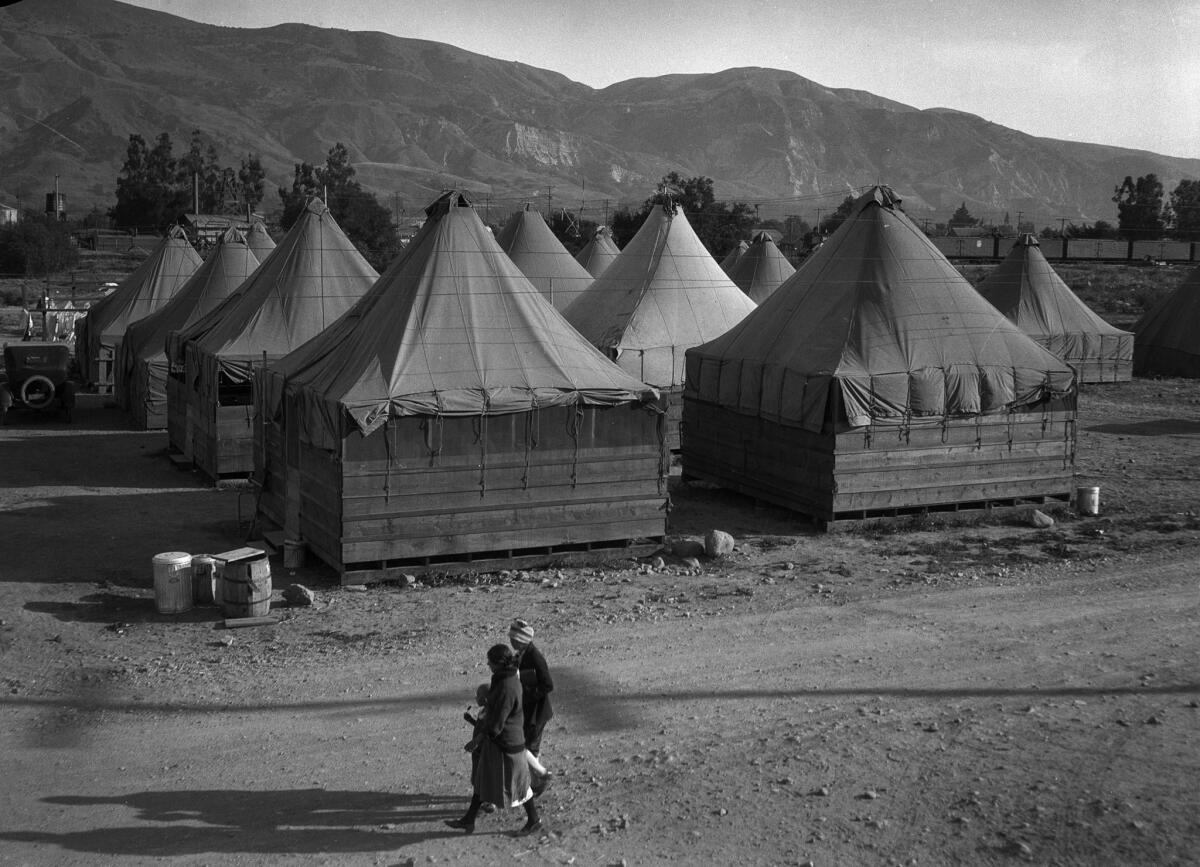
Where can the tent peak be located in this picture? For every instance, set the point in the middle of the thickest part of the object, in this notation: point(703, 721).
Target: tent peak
point(447, 200)
point(881, 195)
point(1027, 240)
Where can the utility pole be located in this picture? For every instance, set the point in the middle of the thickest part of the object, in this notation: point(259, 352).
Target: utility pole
point(1062, 227)
point(1019, 213)
point(818, 226)
point(548, 206)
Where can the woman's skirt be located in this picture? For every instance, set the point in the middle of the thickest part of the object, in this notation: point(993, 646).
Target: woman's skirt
point(501, 778)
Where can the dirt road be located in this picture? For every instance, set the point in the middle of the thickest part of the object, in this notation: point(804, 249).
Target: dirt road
point(984, 694)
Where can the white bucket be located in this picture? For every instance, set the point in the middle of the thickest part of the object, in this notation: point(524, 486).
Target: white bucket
point(1087, 501)
point(173, 582)
point(204, 579)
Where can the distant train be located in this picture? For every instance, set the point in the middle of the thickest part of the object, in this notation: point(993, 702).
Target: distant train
point(1084, 249)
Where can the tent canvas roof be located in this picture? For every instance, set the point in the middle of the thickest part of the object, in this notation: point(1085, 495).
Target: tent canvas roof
point(599, 252)
point(311, 278)
point(149, 287)
point(882, 316)
point(1167, 337)
point(542, 258)
point(453, 328)
point(1026, 289)
point(259, 240)
point(733, 255)
point(663, 294)
point(761, 269)
point(226, 268)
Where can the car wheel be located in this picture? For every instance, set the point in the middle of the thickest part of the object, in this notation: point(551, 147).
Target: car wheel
point(37, 392)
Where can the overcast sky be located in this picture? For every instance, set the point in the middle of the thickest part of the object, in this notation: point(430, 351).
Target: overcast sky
point(1119, 72)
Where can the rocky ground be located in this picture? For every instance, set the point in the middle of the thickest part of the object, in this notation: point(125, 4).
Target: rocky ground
point(983, 693)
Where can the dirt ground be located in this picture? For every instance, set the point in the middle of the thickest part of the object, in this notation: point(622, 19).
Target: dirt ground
point(984, 693)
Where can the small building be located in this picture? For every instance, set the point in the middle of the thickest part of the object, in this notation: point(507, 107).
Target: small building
point(454, 418)
point(8, 214)
point(98, 335)
point(1026, 289)
point(761, 269)
point(598, 253)
point(142, 379)
point(1167, 337)
point(876, 382)
point(311, 278)
point(662, 295)
point(533, 248)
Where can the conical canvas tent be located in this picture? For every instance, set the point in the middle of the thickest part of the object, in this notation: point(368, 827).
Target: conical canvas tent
point(761, 269)
point(1167, 339)
point(142, 367)
point(663, 295)
point(732, 257)
point(453, 412)
point(150, 286)
point(877, 381)
point(599, 252)
point(542, 258)
point(258, 240)
point(1026, 289)
point(310, 279)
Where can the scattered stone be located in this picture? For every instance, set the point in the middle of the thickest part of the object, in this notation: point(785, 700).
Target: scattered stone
point(1039, 519)
point(657, 564)
point(691, 563)
point(718, 543)
point(298, 594)
point(822, 792)
point(869, 795)
point(355, 588)
point(1018, 848)
point(1154, 721)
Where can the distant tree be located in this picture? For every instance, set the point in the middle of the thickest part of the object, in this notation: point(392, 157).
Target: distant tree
point(794, 230)
point(1139, 207)
point(719, 225)
point(154, 187)
point(830, 224)
point(252, 181)
point(962, 217)
point(199, 176)
point(148, 194)
point(1183, 211)
point(366, 222)
point(36, 245)
point(625, 224)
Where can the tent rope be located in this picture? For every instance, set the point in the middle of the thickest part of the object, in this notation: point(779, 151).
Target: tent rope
point(574, 422)
point(483, 451)
point(388, 445)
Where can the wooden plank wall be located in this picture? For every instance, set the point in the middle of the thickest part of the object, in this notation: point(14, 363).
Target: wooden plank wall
point(223, 443)
point(177, 416)
point(432, 488)
point(268, 470)
point(883, 468)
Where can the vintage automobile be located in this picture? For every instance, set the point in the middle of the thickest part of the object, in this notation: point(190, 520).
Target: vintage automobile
point(38, 378)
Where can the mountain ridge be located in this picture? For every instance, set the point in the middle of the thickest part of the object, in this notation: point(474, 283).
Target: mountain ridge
point(79, 76)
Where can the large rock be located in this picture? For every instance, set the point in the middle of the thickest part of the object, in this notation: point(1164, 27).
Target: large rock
point(718, 543)
point(685, 548)
point(1039, 519)
point(298, 594)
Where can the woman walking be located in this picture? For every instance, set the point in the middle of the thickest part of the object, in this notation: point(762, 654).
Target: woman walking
point(536, 684)
point(501, 776)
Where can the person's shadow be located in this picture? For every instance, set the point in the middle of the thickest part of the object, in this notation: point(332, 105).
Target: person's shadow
point(294, 821)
